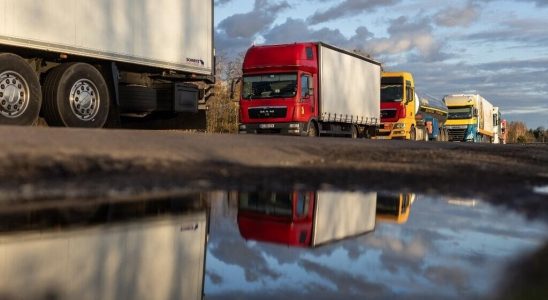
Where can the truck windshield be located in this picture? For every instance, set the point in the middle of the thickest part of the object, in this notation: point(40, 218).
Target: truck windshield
point(388, 205)
point(391, 89)
point(275, 204)
point(460, 113)
point(270, 86)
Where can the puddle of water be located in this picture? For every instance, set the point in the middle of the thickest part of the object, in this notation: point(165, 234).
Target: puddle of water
point(299, 245)
point(541, 190)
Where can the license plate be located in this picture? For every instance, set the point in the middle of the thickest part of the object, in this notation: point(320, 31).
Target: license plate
point(266, 126)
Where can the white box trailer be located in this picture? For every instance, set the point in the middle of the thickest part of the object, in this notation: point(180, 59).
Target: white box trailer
point(497, 126)
point(485, 115)
point(159, 258)
point(340, 215)
point(133, 57)
point(349, 87)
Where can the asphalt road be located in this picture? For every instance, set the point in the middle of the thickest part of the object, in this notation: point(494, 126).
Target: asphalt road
point(53, 164)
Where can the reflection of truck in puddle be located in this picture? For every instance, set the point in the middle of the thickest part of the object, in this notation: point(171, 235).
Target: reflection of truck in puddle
point(394, 207)
point(142, 254)
point(305, 219)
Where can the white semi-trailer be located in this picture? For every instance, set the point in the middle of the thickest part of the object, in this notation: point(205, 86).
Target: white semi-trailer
point(81, 63)
point(153, 258)
point(497, 126)
point(340, 215)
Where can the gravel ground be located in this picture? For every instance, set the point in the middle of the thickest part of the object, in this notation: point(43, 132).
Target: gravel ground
point(53, 164)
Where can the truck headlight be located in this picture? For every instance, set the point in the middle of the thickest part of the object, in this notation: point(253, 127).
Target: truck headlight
point(399, 126)
point(294, 125)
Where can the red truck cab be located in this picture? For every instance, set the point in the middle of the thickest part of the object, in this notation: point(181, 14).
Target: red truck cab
point(278, 89)
point(280, 218)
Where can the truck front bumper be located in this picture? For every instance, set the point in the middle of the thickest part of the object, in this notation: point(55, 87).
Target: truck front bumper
point(383, 135)
point(294, 128)
point(389, 131)
point(461, 133)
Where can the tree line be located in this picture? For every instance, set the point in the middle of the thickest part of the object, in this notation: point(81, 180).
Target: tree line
point(223, 108)
point(519, 133)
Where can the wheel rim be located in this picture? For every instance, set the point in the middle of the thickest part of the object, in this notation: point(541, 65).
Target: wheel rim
point(14, 94)
point(84, 100)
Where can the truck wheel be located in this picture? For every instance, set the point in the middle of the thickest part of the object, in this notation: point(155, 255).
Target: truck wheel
point(20, 97)
point(439, 137)
point(370, 132)
point(413, 134)
point(312, 129)
point(76, 95)
point(354, 132)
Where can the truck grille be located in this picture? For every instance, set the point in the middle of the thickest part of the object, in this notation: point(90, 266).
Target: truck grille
point(388, 113)
point(267, 112)
point(456, 134)
point(269, 131)
point(383, 133)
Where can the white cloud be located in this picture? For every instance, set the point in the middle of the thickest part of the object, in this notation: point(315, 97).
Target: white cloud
point(455, 17)
point(247, 25)
point(348, 8)
point(528, 110)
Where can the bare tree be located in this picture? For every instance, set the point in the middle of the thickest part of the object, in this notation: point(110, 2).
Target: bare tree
point(518, 133)
point(222, 116)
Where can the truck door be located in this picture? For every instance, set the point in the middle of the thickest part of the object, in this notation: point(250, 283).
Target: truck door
point(410, 102)
point(307, 96)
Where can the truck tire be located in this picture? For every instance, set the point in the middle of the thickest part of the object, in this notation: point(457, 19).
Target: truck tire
point(20, 96)
point(354, 132)
point(439, 137)
point(413, 134)
point(369, 132)
point(313, 129)
point(76, 95)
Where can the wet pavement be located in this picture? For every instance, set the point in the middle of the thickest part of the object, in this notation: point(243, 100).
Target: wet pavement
point(59, 165)
point(262, 245)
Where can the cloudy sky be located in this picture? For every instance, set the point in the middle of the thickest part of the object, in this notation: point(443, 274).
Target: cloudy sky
point(496, 47)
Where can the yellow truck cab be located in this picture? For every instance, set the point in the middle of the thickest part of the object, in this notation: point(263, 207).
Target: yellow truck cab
point(394, 208)
point(471, 118)
point(398, 106)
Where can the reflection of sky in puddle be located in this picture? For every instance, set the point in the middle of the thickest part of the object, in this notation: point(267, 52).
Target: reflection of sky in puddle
point(541, 190)
point(446, 249)
point(404, 246)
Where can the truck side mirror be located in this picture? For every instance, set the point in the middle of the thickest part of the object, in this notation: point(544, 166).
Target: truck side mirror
point(475, 112)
